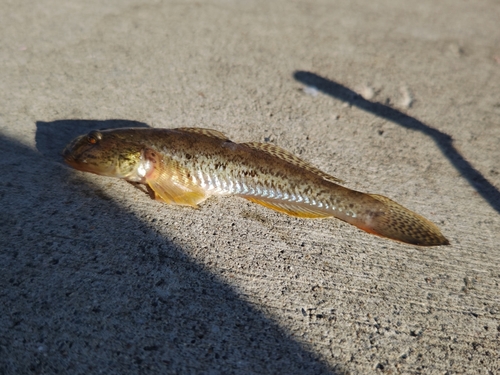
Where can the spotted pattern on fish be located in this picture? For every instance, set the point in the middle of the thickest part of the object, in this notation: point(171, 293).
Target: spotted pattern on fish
point(185, 166)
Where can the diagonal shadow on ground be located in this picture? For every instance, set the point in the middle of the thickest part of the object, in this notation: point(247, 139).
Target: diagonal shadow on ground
point(87, 287)
point(487, 190)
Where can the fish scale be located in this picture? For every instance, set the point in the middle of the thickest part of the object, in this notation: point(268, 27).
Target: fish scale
point(185, 166)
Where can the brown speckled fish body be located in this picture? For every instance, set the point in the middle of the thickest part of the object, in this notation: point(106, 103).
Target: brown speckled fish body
point(185, 166)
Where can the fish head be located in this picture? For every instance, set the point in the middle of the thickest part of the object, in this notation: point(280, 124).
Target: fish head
point(106, 153)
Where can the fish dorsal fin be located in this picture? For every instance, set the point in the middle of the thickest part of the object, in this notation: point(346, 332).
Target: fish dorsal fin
point(170, 182)
point(283, 154)
point(207, 132)
point(290, 208)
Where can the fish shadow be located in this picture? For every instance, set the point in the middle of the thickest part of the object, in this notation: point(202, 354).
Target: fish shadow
point(445, 142)
point(90, 287)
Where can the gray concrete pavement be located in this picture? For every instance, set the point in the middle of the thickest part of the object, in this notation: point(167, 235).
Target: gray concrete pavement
point(394, 97)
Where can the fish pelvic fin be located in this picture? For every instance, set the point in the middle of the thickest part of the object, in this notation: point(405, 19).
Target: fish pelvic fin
point(399, 223)
point(290, 208)
point(170, 183)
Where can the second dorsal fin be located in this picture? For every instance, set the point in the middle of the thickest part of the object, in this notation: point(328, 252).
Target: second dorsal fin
point(207, 132)
point(283, 154)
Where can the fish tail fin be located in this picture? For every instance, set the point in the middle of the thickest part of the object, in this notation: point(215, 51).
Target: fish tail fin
point(399, 223)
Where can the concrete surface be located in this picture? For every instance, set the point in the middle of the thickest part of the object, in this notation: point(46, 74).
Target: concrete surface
point(399, 98)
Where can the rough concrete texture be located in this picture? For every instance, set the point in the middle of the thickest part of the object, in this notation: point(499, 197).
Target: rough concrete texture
point(400, 98)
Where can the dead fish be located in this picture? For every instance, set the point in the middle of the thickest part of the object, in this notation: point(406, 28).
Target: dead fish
point(185, 166)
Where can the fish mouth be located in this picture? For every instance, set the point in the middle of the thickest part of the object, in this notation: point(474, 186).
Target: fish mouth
point(81, 164)
point(69, 150)
point(68, 156)
point(72, 161)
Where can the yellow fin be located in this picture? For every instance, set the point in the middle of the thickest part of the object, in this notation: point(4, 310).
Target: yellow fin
point(401, 224)
point(290, 208)
point(208, 132)
point(283, 154)
point(170, 183)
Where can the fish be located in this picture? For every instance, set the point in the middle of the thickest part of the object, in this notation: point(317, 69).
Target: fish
point(186, 166)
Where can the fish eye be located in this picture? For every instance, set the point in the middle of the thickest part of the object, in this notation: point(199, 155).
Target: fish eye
point(93, 137)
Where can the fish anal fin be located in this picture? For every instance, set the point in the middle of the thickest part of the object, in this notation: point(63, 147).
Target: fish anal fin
point(207, 132)
point(170, 183)
point(290, 208)
point(283, 154)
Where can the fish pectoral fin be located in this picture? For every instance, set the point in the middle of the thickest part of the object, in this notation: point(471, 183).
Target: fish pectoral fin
point(290, 208)
point(170, 183)
point(174, 194)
